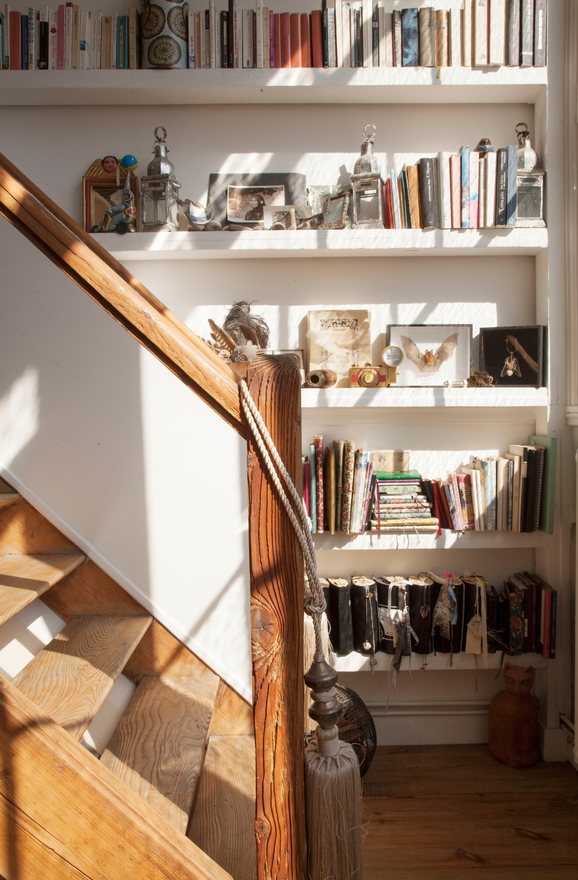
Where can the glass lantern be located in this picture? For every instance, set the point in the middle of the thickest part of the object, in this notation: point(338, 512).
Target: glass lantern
point(367, 186)
point(160, 189)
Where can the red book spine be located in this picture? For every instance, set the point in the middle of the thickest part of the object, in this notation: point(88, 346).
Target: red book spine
point(316, 39)
point(388, 215)
point(285, 39)
point(15, 41)
point(306, 493)
point(305, 40)
point(295, 38)
point(277, 27)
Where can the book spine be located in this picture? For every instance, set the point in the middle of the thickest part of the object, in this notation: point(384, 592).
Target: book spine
point(489, 161)
point(426, 21)
point(32, 40)
point(277, 38)
point(82, 49)
point(339, 449)
point(540, 33)
point(474, 189)
point(295, 38)
point(348, 469)
point(467, 33)
point(465, 185)
point(360, 473)
point(5, 47)
point(409, 37)
point(546, 623)
point(553, 616)
point(236, 37)
point(513, 33)
point(316, 39)
point(501, 186)
point(366, 33)
point(388, 40)
point(481, 191)
point(375, 36)
point(325, 32)
point(526, 33)
point(442, 42)
point(455, 37)
point(346, 33)
point(512, 186)
point(285, 18)
point(497, 33)
point(248, 43)
point(225, 39)
point(192, 53)
point(75, 39)
point(313, 488)
point(43, 45)
point(259, 35)
point(15, 41)
point(306, 488)
point(305, 33)
point(329, 488)
point(480, 41)
point(338, 33)
point(428, 205)
point(397, 38)
point(331, 44)
point(318, 443)
point(272, 18)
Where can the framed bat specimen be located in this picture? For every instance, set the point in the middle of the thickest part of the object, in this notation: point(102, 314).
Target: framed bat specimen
point(434, 353)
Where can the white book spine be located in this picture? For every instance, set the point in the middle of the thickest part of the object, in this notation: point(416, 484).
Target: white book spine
point(455, 34)
point(474, 189)
point(52, 39)
point(490, 212)
point(467, 33)
point(497, 38)
point(259, 35)
point(266, 41)
point(217, 33)
point(82, 48)
point(366, 29)
point(192, 58)
point(247, 38)
point(480, 42)
point(346, 33)
point(339, 32)
point(388, 27)
point(212, 36)
point(445, 191)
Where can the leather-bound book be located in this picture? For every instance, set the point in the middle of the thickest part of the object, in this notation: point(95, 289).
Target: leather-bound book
point(316, 39)
point(364, 615)
point(295, 38)
point(285, 19)
point(339, 615)
point(305, 23)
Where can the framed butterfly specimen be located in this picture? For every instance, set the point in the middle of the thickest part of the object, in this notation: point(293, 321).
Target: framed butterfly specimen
point(434, 353)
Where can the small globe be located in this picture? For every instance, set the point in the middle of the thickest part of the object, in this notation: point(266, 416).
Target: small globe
point(128, 162)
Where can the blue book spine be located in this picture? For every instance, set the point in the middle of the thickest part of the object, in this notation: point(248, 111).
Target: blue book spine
point(465, 167)
point(409, 38)
point(24, 41)
point(512, 186)
point(312, 488)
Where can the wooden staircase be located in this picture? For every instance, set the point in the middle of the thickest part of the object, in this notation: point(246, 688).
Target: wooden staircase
point(173, 794)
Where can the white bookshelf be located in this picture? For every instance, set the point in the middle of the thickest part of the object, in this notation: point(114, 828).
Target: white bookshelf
point(355, 662)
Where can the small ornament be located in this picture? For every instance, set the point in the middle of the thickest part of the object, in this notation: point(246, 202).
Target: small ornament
point(480, 379)
point(424, 610)
point(511, 366)
point(484, 146)
point(527, 158)
point(367, 186)
point(321, 378)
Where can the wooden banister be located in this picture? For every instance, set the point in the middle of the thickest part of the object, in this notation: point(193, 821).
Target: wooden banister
point(113, 287)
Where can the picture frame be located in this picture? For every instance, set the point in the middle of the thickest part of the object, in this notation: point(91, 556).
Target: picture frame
point(246, 204)
point(289, 217)
point(338, 339)
point(103, 188)
point(514, 356)
point(335, 211)
point(293, 183)
point(434, 353)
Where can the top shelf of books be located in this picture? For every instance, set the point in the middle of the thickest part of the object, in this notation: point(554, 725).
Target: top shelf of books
point(501, 85)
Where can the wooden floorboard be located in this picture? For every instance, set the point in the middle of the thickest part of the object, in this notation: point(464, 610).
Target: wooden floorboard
point(24, 578)
point(439, 812)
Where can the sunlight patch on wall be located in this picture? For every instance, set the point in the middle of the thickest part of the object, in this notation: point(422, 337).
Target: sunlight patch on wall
point(19, 410)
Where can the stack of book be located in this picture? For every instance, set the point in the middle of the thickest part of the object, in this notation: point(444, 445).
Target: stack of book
point(342, 33)
point(401, 504)
point(69, 38)
point(533, 602)
point(513, 492)
point(464, 189)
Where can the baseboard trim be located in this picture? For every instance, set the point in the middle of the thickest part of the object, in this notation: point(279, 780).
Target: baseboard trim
point(213, 662)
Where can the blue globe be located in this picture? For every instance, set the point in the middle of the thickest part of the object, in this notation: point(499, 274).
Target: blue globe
point(128, 162)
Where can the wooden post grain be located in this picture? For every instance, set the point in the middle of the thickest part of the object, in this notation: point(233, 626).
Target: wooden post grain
point(277, 629)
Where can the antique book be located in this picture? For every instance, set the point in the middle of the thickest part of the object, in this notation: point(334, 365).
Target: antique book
point(386, 42)
point(550, 445)
point(474, 189)
point(513, 33)
point(329, 489)
point(540, 33)
point(397, 38)
point(285, 36)
point(512, 185)
point(526, 33)
point(456, 190)
point(467, 33)
point(390, 460)
point(455, 36)
point(426, 20)
point(348, 467)
point(497, 33)
point(428, 213)
point(414, 198)
point(295, 38)
point(316, 39)
point(319, 487)
point(501, 186)
point(339, 450)
point(465, 185)
point(359, 480)
point(442, 42)
point(337, 340)
point(313, 488)
point(339, 614)
point(489, 161)
point(471, 474)
point(364, 615)
point(480, 10)
point(516, 479)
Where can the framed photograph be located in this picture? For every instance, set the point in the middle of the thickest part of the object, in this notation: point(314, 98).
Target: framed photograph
point(434, 353)
point(293, 185)
point(101, 190)
point(335, 210)
point(338, 340)
point(514, 356)
point(246, 204)
point(289, 217)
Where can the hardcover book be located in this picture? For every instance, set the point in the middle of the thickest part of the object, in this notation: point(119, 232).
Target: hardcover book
point(526, 33)
point(465, 185)
point(480, 38)
point(409, 37)
point(513, 33)
point(426, 20)
point(427, 193)
point(442, 42)
point(540, 33)
point(550, 445)
point(497, 33)
point(397, 38)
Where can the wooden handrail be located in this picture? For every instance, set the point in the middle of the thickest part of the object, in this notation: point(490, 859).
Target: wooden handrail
point(113, 287)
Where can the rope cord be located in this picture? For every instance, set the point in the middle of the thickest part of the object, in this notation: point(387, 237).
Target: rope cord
point(314, 603)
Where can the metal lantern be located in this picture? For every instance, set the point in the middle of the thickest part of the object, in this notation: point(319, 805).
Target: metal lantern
point(367, 186)
point(160, 189)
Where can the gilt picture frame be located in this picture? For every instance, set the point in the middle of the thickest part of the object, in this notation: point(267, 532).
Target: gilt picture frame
point(102, 189)
point(435, 354)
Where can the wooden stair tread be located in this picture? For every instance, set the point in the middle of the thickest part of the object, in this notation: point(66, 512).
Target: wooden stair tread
point(223, 820)
point(159, 745)
point(7, 499)
point(24, 578)
point(70, 678)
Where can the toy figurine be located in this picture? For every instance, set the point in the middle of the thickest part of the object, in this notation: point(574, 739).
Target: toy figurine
point(119, 218)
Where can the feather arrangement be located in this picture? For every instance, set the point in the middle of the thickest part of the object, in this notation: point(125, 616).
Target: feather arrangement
point(240, 329)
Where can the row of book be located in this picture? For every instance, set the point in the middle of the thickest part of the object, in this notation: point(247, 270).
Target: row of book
point(428, 613)
point(351, 490)
point(468, 189)
point(343, 33)
point(69, 38)
point(362, 33)
point(513, 492)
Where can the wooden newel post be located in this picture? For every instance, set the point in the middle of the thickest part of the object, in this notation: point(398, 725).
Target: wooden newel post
point(277, 628)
